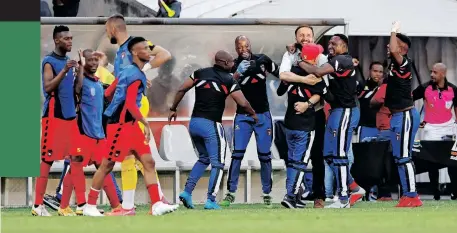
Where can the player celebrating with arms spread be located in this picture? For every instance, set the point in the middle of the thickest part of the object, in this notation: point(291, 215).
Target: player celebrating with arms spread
point(212, 86)
point(124, 133)
point(405, 118)
point(116, 29)
point(252, 80)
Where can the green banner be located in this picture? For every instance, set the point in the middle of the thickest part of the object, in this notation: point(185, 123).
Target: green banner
point(20, 98)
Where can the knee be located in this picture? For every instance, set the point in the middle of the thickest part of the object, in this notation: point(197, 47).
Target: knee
point(264, 157)
point(204, 160)
point(238, 154)
point(107, 166)
point(217, 164)
point(149, 164)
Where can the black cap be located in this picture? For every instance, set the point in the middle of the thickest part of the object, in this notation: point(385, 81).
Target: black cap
point(404, 39)
point(343, 37)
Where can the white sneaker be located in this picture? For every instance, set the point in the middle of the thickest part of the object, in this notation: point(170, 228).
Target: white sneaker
point(338, 205)
point(91, 210)
point(160, 208)
point(328, 199)
point(40, 211)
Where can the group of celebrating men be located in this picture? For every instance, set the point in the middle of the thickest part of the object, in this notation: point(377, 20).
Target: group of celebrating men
point(90, 122)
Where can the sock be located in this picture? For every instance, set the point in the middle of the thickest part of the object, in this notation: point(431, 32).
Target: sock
point(129, 196)
point(153, 190)
point(41, 183)
point(129, 178)
point(353, 186)
point(66, 167)
point(79, 181)
point(110, 190)
point(93, 196)
point(67, 189)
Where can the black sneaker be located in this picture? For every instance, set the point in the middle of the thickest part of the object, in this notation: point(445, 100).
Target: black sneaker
point(453, 196)
point(51, 201)
point(300, 202)
point(289, 202)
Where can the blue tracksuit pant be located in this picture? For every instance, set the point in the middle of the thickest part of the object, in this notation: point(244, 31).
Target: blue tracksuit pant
point(209, 139)
point(243, 128)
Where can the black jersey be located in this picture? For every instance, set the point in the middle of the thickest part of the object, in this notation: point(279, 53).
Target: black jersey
point(253, 82)
point(368, 114)
point(212, 86)
point(300, 92)
point(399, 87)
point(343, 82)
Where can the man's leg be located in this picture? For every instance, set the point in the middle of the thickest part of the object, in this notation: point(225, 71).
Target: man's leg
point(329, 180)
point(66, 168)
point(264, 136)
point(129, 176)
point(197, 171)
point(97, 183)
point(317, 160)
point(242, 131)
point(452, 171)
point(404, 128)
point(365, 132)
point(300, 143)
point(151, 181)
point(216, 146)
point(116, 186)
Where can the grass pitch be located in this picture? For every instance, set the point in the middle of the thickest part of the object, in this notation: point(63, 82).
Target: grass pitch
point(365, 217)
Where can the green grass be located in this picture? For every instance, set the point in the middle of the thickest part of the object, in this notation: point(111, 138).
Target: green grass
point(433, 217)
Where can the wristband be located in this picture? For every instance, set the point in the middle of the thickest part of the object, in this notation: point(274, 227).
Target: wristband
point(146, 67)
point(310, 105)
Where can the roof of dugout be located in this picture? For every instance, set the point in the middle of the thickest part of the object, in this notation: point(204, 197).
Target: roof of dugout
point(366, 18)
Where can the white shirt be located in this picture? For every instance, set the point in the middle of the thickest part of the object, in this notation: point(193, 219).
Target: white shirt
point(292, 59)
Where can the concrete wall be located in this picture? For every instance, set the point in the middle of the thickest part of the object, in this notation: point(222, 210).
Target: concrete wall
point(128, 8)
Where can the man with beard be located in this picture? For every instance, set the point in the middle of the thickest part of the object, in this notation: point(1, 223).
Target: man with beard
point(344, 116)
point(252, 80)
point(304, 34)
point(299, 122)
point(116, 29)
point(405, 118)
point(440, 100)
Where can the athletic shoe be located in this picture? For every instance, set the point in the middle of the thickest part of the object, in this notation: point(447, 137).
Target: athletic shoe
point(40, 211)
point(66, 212)
point(356, 195)
point(409, 202)
point(186, 199)
point(289, 202)
point(121, 212)
point(453, 196)
point(229, 199)
point(79, 210)
point(91, 210)
point(300, 202)
point(318, 203)
point(160, 208)
point(339, 204)
point(51, 201)
point(267, 200)
point(211, 205)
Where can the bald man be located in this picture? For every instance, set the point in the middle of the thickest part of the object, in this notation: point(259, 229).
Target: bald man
point(440, 99)
point(212, 86)
point(251, 71)
point(116, 30)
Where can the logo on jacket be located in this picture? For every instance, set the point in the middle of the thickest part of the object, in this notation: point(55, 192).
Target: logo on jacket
point(269, 132)
point(262, 67)
point(122, 55)
point(92, 91)
point(237, 127)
